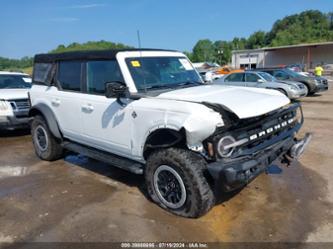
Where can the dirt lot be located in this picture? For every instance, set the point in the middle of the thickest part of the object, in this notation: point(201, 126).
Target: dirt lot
point(78, 199)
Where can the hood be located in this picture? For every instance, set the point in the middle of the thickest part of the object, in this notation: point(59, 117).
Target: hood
point(245, 102)
point(10, 94)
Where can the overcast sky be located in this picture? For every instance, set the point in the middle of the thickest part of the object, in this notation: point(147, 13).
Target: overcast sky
point(35, 26)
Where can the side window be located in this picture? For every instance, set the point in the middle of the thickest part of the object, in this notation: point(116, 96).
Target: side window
point(235, 77)
point(251, 77)
point(69, 75)
point(281, 75)
point(100, 72)
point(42, 73)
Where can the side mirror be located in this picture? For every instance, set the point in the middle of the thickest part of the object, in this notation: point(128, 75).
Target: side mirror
point(115, 89)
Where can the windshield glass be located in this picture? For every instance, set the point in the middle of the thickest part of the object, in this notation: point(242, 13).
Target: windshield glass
point(267, 76)
point(14, 81)
point(291, 73)
point(152, 73)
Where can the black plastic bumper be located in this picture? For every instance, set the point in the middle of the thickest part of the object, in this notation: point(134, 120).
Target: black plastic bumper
point(236, 173)
point(13, 122)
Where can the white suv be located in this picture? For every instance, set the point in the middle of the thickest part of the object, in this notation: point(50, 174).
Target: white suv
point(14, 104)
point(148, 111)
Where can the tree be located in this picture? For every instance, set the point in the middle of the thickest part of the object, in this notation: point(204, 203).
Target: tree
point(256, 40)
point(222, 52)
point(203, 51)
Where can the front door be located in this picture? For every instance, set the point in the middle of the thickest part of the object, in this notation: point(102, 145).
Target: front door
point(106, 124)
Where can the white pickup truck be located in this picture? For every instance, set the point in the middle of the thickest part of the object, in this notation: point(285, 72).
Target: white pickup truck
point(148, 112)
point(14, 104)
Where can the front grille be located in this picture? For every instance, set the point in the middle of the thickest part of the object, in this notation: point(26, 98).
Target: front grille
point(260, 130)
point(20, 104)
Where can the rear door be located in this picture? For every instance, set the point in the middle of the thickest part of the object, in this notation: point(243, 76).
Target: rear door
point(66, 98)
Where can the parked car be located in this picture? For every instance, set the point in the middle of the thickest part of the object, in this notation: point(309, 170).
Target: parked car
point(291, 89)
point(14, 104)
point(227, 70)
point(148, 112)
point(313, 84)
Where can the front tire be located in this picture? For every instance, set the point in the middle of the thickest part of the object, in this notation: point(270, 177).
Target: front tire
point(46, 146)
point(175, 181)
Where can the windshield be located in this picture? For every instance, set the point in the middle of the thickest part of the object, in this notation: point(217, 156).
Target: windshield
point(291, 73)
point(14, 81)
point(152, 73)
point(267, 76)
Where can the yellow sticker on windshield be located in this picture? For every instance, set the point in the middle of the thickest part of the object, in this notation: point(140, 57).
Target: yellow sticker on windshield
point(136, 64)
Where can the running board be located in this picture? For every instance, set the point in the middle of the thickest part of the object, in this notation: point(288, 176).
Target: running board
point(114, 160)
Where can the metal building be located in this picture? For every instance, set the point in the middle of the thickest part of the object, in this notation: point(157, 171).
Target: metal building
point(308, 54)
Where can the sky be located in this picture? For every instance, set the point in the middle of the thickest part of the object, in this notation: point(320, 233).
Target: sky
point(38, 26)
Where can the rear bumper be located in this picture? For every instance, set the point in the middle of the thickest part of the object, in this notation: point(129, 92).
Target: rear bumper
point(12, 122)
point(240, 171)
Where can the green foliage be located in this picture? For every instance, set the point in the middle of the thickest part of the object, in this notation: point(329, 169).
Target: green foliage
point(91, 45)
point(15, 64)
point(203, 51)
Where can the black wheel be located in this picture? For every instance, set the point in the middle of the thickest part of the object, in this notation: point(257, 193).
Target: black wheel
point(46, 145)
point(175, 181)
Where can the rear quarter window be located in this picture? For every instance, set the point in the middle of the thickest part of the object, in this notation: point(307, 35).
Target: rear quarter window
point(43, 73)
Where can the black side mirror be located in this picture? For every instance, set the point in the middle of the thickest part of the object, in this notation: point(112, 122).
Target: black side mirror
point(115, 89)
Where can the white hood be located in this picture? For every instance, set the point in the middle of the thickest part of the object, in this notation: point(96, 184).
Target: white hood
point(245, 102)
point(10, 94)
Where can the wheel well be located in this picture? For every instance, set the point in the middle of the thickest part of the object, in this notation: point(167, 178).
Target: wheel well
point(50, 119)
point(164, 138)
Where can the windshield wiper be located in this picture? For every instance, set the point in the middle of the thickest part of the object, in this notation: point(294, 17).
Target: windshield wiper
point(189, 83)
point(157, 87)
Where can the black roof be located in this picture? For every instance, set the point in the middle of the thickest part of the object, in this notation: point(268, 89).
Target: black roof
point(87, 55)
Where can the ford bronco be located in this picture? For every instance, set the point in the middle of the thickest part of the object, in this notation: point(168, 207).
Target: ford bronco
point(148, 111)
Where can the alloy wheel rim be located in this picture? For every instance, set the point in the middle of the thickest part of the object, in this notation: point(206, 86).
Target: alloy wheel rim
point(169, 187)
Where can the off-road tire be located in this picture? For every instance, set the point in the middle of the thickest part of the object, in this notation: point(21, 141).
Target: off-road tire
point(53, 150)
point(190, 167)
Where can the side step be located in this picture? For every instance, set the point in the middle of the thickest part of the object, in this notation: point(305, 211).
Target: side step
point(114, 160)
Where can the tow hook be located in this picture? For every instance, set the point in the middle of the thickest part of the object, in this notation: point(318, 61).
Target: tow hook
point(297, 149)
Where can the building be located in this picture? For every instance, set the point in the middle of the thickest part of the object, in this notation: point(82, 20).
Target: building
point(308, 55)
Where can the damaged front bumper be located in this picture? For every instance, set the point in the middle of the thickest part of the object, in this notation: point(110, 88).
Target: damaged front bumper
point(237, 172)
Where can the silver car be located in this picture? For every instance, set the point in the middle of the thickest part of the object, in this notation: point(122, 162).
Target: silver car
point(291, 89)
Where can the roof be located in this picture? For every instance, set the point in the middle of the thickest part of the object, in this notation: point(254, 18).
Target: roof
point(284, 47)
point(12, 73)
point(86, 55)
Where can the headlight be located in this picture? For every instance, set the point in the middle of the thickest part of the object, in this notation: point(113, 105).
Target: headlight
point(5, 108)
point(222, 147)
point(294, 88)
point(299, 115)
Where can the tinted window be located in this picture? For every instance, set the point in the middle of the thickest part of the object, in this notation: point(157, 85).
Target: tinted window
point(69, 75)
point(281, 75)
point(42, 73)
point(100, 72)
point(235, 77)
point(251, 77)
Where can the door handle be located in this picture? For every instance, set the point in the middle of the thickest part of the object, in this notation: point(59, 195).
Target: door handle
point(87, 108)
point(55, 102)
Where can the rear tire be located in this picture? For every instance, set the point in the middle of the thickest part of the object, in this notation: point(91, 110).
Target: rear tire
point(46, 146)
point(175, 181)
